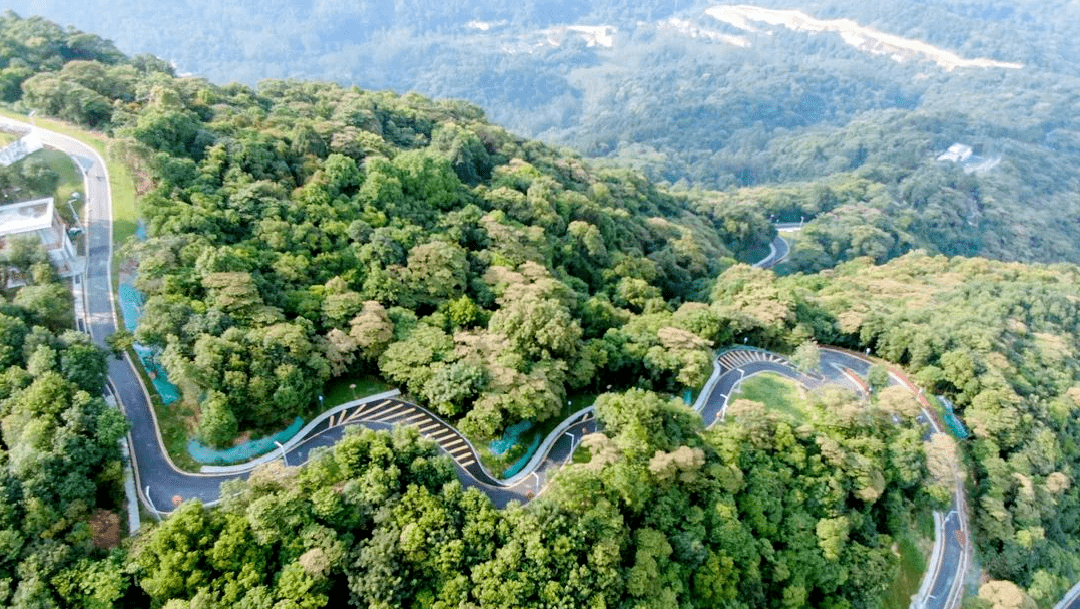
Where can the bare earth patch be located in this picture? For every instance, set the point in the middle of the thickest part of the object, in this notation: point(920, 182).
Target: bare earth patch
point(105, 529)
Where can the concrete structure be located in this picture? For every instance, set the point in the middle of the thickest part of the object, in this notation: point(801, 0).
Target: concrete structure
point(38, 219)
point(20, 149)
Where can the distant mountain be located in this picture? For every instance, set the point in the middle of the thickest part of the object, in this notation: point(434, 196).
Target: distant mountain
point(713, 96)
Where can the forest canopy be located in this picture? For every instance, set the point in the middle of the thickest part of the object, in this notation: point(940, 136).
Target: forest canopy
point(301, 231)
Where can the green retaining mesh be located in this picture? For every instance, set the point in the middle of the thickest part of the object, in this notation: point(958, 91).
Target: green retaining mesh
point(951, 421)
point(131, 302)
point(524, 460)
point(509, 437)
point(242, 452)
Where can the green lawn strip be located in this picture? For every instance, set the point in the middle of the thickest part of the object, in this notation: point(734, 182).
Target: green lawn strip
point(909, 576)
point(173, 432)
point(582, 454)
point(145, 516)
point(778, 393)
point(70, 178)
point(924, 523)
point(935, 404)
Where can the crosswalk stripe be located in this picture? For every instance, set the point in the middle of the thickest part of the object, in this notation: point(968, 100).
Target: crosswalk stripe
point(371, 411)
point(358, 413)
point(443, 434)
point(466, 463)
point(428, 424)
point(392, 412)
point(415, 417)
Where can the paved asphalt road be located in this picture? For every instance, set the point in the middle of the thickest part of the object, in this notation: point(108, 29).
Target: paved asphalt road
point(778, 251)
point(166, 483)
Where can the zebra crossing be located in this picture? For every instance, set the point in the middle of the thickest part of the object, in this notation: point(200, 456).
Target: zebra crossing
point(398, 412)
point(735, 358)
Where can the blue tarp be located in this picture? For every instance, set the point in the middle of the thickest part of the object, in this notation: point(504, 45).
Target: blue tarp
point(242, 452)
point(131, 302)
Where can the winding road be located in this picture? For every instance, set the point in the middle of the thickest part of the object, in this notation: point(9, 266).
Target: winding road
point(778, 251)
point(161, 485)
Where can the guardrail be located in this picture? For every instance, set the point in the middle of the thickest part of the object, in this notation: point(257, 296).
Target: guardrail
point(298, 437)
point(1069, 597)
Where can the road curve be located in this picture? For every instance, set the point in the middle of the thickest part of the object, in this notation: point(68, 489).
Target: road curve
point(945, 586)
point(161, 485)
point(778, 251)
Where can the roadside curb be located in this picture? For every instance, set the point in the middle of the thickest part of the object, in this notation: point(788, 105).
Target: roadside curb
point(706, 389)
point(1069, 596)
point(919, 600)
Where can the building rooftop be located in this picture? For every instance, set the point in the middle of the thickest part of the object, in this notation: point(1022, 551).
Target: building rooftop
point(26, 217)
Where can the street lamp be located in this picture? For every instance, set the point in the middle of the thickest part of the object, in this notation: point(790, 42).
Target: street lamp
point(283, 457)
point(352, 387)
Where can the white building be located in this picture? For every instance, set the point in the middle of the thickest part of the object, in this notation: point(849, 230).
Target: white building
point(39, 217)
point(957, 153)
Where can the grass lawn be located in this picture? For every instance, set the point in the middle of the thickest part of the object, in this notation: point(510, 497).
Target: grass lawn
point(71, 179)
point(912, 566)
point(339, 391)
point(778, 393)
point(582, 454)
